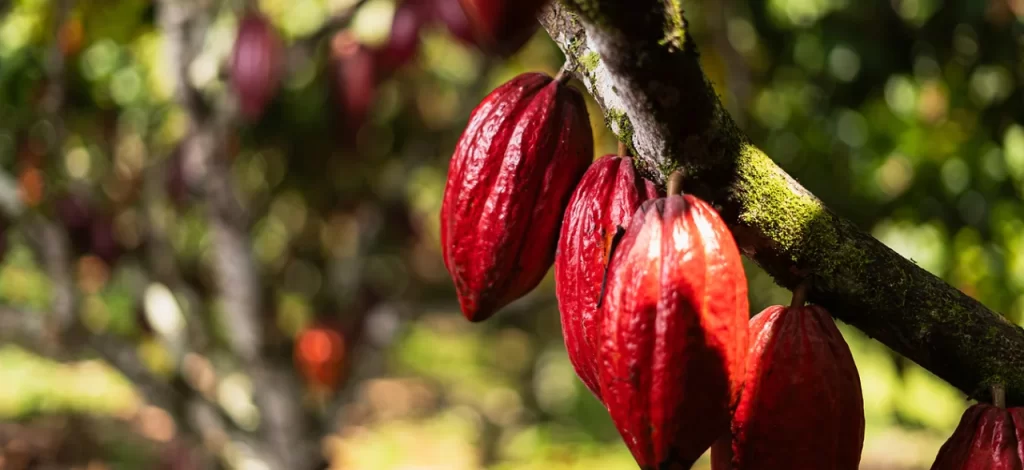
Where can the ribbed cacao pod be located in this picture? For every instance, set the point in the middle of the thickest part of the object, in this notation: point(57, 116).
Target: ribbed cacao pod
point(673, 338)
point(256, 64)
point(801, 406)
point(988, 438)
point(502, 27)
point(603, 203)
point(514, 169)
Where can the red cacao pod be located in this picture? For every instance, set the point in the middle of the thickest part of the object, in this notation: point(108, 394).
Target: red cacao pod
point(320, 353)
point(355, 79)
point(673, 338)
point(603, 203)
point(801, 406)
point(987, 438)
point(514, 169)
point(502, 27)
point(256, 64)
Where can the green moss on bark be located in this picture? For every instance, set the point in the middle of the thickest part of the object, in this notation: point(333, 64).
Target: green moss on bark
point(590, 61)
point(620, 123)
point(675, 25)
point(799, 225)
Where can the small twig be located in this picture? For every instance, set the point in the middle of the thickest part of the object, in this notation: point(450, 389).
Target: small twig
point(332, 24)
point(622, 149)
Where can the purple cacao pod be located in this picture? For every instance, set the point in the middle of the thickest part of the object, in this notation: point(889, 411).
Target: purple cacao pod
point(256, 64)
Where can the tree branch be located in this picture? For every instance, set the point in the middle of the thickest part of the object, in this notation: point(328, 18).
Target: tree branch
point(642, 67)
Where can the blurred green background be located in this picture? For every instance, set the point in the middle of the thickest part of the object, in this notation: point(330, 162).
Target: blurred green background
point(906, 116)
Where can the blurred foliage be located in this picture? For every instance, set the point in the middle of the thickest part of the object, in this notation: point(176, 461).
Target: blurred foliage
point(905, 116)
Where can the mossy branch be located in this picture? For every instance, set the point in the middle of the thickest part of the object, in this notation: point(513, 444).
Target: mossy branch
point(642, 68)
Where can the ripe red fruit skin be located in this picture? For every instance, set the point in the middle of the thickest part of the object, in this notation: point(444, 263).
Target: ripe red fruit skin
point(605, 199)
point(514, 169)
point(802, 407)
point(256, 64)
point(355, 76)
point(502, 27)
point(987, 438)
point(673, 338)
point(404, 39)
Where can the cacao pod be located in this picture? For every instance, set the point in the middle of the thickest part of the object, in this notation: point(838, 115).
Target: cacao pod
point(320, 355)
point(801, 406)
point(355, 78)
point(673, 338)
point(988, 437)
point(103, 239)
point(604, 203)
point(453, 17)
point(256, 64)
point(514, 169)
point(502, 27)
point(404, 39)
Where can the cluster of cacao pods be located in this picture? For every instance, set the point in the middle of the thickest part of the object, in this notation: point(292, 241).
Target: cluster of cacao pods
point(652, 294)
point(498, 27)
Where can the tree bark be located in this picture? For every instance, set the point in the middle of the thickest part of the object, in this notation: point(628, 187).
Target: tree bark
point(642, 67)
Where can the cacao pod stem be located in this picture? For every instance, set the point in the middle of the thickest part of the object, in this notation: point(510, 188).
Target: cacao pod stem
point(622, 149)
point(999, 395)
point(800, 294)
point(675, 183)
point(563, 76)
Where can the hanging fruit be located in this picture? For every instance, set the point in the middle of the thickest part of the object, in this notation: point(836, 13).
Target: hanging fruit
point(988, 437)
point(355, 78)
point(514, 169)
point(404, 39)
point(502, 27)
point(673, 337)
point(320, 353)
point(453, 17)
point(601, 207)
point(256, 64)
point(103, 239)
point(801, 406)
